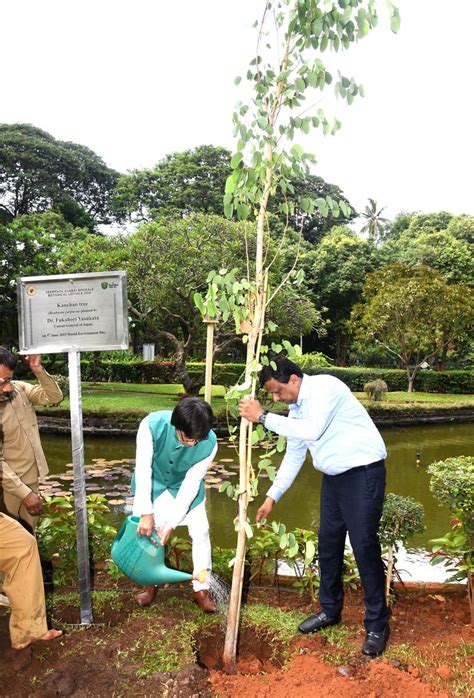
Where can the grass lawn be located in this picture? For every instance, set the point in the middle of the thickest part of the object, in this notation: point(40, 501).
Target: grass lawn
point(155, 388)
point(419, 401)
point(124, 402)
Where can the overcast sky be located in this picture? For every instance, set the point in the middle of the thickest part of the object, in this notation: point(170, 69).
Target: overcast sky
point(137, 80)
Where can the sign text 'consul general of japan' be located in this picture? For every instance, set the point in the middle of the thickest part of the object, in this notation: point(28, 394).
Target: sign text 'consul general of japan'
point(73, 312)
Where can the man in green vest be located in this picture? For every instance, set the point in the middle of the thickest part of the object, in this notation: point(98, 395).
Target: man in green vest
point(174, 451)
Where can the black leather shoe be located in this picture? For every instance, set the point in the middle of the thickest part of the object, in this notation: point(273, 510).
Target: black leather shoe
point(375, 642)
point(314, 623)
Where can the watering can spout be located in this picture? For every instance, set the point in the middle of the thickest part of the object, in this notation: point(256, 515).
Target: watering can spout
point(142, 559)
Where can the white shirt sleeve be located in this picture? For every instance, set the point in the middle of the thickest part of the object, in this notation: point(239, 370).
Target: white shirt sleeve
point(142, 503)
point(189, 489)
point(290, 466)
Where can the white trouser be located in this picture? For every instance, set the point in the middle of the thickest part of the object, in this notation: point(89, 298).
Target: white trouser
point(198, 527)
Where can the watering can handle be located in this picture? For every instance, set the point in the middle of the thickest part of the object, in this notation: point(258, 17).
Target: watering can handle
point(155, 538)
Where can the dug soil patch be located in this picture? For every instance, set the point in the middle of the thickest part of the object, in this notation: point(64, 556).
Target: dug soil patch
point(173, 650)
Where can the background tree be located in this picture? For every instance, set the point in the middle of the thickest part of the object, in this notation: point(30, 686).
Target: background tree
point(375, 224)
point(462, 227)
point(335, 272)
point(167, 262)
point(187, 182)
point(439, 240)
point(31, 245)
point(314, 225)
point(441, 250)
point(192, 181)
point(413, 313)
point(38, 172)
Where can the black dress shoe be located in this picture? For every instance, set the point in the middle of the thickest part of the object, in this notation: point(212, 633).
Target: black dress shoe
point(375, 642)
point(314, 623)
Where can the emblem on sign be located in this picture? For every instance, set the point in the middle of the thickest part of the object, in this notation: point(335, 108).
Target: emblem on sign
point(104, 284)
point(31, 291)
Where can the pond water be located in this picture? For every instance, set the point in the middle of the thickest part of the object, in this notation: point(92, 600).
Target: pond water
point(300, 505)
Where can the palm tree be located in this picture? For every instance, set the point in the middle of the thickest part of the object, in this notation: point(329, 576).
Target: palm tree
point(375, 225)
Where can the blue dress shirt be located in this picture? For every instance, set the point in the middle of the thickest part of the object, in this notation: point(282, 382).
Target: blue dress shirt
point(331, 423)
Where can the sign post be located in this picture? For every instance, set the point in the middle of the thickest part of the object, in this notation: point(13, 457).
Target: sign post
point(73, 313)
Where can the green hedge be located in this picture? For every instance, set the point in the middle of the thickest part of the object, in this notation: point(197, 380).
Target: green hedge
point(222, 374)
point(457, 382)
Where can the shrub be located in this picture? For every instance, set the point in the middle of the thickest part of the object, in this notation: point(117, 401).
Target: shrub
point(63, 383)
point(57, 534)
point(452, 483)
point(313, 360)
point(375, 390)
point(402, 517)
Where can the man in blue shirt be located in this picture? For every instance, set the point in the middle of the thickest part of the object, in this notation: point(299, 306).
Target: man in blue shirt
point(326, 419)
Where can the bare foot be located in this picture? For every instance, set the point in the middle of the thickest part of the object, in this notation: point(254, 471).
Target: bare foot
point(50, 635)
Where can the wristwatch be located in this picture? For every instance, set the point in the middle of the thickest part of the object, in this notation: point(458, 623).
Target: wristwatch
point(262, 418)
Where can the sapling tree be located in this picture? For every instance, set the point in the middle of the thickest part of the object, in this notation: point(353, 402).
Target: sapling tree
point(402, 517)
point(286, 76)
point(452, 483)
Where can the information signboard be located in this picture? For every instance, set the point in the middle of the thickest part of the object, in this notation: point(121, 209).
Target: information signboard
point(73, 312)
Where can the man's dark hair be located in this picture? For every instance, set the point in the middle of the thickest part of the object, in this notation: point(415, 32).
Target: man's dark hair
point(7, 359)
point(283, 372)
point(193, 417)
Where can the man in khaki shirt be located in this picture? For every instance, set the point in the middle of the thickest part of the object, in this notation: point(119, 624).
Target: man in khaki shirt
point(24, 461)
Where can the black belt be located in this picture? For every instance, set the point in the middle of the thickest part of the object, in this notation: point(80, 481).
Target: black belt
point(377, 464)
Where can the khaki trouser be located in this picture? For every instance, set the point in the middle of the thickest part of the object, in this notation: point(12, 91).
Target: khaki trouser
point(23, 582)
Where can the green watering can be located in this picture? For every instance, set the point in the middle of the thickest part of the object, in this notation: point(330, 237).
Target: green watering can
point(142, 559)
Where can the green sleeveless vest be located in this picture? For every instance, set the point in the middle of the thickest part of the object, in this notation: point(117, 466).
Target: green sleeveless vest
point(172, 460)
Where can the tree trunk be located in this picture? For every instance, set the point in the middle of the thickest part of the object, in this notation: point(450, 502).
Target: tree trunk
point(229, 656)
point(470, 594)
point(411, 379)
point(388, 580)
point(245, 437)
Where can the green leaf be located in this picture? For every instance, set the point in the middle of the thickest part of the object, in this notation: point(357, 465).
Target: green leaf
point(237, 80)
point(309, 552)
point(243, 212)
point(236, 159)
point(199, 303)
point(297, 151)
point(395, 20)
point(300, 84)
